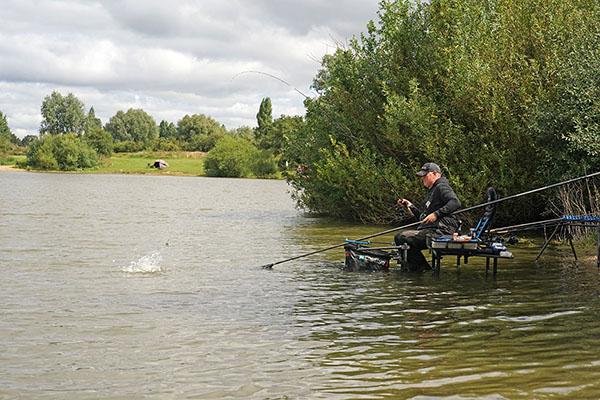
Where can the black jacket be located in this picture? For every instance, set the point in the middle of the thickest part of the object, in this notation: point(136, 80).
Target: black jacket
point(442, 201)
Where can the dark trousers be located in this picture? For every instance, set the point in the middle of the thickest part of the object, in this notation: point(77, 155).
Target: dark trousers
point(417, 240)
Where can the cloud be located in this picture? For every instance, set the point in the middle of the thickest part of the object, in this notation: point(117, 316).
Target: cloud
point(169, 58)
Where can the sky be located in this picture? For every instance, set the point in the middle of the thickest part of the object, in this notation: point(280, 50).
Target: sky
point(170, 58)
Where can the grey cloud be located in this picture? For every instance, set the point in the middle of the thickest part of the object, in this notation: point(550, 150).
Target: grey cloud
point(170, 58)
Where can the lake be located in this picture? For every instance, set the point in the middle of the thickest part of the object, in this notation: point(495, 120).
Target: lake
point(132, 286)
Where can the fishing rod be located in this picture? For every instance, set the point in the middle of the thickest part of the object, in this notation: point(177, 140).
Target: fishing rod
point(344, 129)
point(525, 226)
point(514, 196)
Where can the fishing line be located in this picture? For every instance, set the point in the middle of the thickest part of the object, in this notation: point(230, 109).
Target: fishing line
point(344, 129)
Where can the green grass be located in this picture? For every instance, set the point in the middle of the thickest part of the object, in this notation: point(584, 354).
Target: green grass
point(11, 159)
point(137, 163)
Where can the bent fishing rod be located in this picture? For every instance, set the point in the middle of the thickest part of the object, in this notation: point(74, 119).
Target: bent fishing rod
point(342, 128)
point(514, 196)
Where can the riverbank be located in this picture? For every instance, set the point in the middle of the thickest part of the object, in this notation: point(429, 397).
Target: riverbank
point(11, 168)
point(180, 164)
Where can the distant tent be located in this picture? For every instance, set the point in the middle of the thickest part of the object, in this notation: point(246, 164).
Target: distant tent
point(160, 164)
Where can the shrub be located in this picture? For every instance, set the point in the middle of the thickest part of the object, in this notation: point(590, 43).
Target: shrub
point(61, 152)
point(263, 164)
point(128, 146)
point(229, 158)
point(101, 141)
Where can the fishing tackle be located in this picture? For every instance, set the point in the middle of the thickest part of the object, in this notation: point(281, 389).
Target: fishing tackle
point(514, 196)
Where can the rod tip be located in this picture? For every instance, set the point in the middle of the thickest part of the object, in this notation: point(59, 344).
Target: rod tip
point(268, 266)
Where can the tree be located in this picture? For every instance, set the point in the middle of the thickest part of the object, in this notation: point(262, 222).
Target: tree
point(230, 157)
point(100, 140)
point(264, 118)
point(28, 139)
point(167, 130)
point(243, 131)
point(7, 138)
point(497, 92)
point(134, 125)
point(199, 132)
point(67, 152)
point(91, 121)
point(62, 114)
point(281, 128)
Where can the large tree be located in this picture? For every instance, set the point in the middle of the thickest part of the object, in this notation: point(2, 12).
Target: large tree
point(5, 132)
point(92, 122)
point(167, 130)
point(264, 119)
point(62, 114)
point(134, 125)
point(199, 131)
point(497, 92)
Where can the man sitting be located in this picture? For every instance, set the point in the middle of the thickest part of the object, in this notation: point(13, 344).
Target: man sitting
point(435, 216)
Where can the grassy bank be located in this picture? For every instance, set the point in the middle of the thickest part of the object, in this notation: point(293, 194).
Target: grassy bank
point(180, 163)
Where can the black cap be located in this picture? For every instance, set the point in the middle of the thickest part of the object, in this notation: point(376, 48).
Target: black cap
point(427, 168)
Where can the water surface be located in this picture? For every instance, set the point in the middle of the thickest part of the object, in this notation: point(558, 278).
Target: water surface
point(128, 287)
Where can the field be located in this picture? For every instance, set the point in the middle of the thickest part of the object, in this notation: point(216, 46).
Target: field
point(180, 163)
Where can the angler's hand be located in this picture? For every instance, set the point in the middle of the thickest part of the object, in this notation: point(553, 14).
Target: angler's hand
point(404, 203)
point(431, 218)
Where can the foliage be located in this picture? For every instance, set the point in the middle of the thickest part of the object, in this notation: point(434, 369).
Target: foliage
point(128, 146)
point(264, 119)
point(243, 131)
point(162, 144)
point(496, 92)
point(6, 135)
point(66, 152)
point(199, 132)
point(263, 164)
point(99, 140)
point(91, 121)
point(134, 125)
point(28, 139)
point(62, 114)
point(230, 157)
point(167, 130)
point(280, 129)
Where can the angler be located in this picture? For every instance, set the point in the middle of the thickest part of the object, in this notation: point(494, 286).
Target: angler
point(435, 216)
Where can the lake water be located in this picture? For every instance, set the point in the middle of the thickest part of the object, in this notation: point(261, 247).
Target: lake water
point(130, 287)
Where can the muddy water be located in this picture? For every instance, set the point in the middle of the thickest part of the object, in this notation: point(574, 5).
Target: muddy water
point(128, 287)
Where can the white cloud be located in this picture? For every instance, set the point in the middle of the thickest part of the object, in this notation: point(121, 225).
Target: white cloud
point(168, 58)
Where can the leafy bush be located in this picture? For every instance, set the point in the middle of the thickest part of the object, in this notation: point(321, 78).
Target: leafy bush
point(61, 152)
point(495, 92)
point(263, 164)
point(230, 158)
point(162, 144)
point(128, 146)
point(101, 141)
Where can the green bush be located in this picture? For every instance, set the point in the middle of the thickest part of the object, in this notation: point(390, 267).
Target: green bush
point(263, 164)
point(230, 158)
point(501, 93)
point(61, 152)
point(128, 146)
point(101, 141)
point(162, 144)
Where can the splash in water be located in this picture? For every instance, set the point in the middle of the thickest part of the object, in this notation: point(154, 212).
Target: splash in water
point(145, 265)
